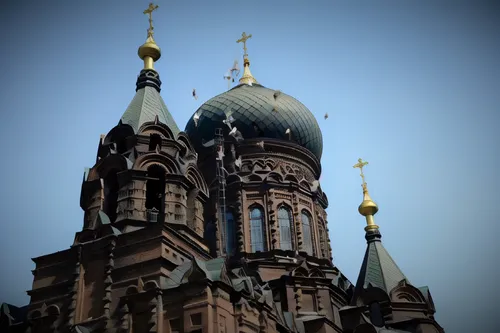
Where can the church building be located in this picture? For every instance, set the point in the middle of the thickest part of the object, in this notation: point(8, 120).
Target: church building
point(217, 228)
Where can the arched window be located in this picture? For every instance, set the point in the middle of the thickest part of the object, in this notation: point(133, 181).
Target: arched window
point(230, 233)
point(111, 188)
point(257, 234)
point(285, 223)
point(155, 193)
point(307, 232)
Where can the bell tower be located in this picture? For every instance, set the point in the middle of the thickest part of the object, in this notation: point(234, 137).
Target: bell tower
point(143, 201)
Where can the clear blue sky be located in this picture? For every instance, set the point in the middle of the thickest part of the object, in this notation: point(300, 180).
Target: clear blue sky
point(411, 86)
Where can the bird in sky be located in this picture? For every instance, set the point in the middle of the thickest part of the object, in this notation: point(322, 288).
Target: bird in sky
point(196, 117)
point(194, 94)
point(326, 116)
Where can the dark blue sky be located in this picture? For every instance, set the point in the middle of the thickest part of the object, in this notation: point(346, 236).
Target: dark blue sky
point(411, 86)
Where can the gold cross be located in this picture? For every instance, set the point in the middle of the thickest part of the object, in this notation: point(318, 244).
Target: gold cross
point(360, 165)
point(149, 11)
point(243, 40)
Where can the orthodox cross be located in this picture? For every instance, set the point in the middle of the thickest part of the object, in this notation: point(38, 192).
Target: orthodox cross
point(149, 11)
point(243, 40)
point(360, 165)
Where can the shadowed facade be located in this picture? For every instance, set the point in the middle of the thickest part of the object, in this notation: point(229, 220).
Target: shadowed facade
point(221, 228)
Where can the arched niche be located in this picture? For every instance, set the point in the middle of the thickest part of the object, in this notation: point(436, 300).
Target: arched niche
point(163, 159)
point(118, 136)
point(156, 127)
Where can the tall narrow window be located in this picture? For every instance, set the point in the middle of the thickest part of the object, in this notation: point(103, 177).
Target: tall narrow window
point(230, 233)
point(285, 223)
point(111, 188)
point(155, 192)
point(257, 230)
point(306, 232)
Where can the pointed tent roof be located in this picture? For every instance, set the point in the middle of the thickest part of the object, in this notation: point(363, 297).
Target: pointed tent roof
point(378, 268)
point(148, 103)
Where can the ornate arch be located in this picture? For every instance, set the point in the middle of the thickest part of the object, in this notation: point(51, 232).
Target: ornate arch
point(300, 271)
point(316, 272)
point(108, 163)
point(156, 127)
point(194, 176)
point(406, 293)
point(258, 165)
point(120, 131)
point(274, 176)
point(182, 137)
point(167, 161)
point(270, 163)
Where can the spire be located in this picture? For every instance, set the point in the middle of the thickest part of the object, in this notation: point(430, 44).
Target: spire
point(247, 76)
point(149, 51)
point(368, 208)
point(147, 104)
point(378, 268)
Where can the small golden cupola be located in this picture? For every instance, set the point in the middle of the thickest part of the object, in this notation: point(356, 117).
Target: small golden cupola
point(149, 52)
point(368, 208)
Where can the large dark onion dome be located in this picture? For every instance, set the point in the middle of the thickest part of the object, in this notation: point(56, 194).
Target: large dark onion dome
point(257, 114)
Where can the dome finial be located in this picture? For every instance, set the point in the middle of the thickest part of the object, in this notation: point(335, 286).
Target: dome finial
point(149, 51)
point(368, 208)
point(247, 76)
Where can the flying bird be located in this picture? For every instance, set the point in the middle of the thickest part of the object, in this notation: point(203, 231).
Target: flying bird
point(194, 94)
point(326, 116)
point(315, 185)
point(229, 118)
point(276, 94)
point(196, 117)
point(237, 162)
point(236, 134)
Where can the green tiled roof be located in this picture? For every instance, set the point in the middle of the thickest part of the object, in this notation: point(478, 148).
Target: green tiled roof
point(145, 106)
point(254, 104)
point(378, 268)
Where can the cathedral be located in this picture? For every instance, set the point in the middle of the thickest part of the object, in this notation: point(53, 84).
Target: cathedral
point(217, 228)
